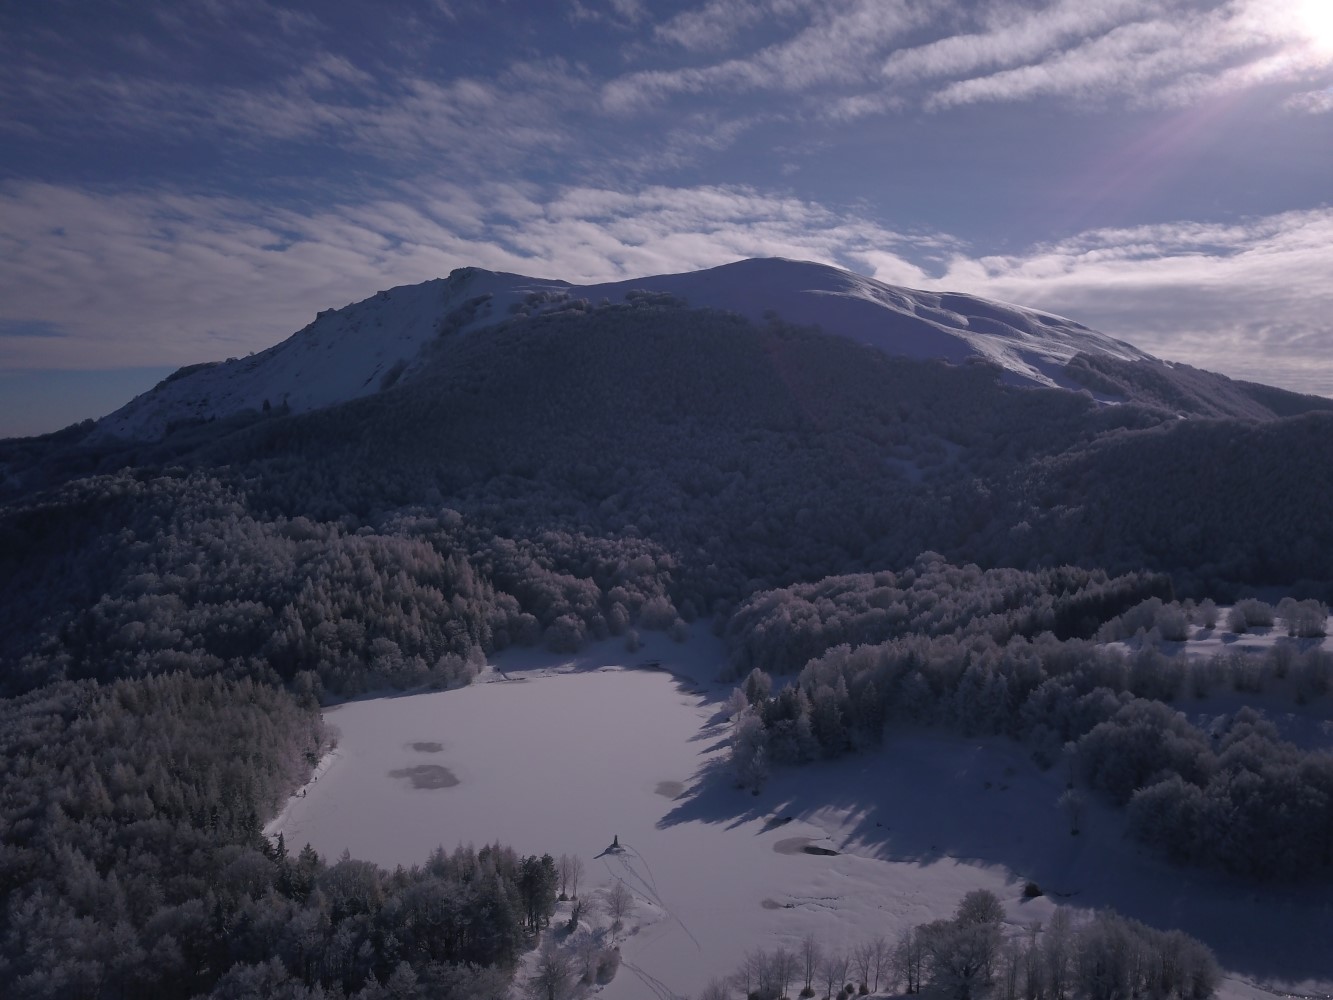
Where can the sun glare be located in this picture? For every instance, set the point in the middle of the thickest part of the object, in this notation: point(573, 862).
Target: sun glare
point(1314, 18)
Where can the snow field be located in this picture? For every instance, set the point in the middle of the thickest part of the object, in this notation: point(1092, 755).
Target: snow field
point(561, 755)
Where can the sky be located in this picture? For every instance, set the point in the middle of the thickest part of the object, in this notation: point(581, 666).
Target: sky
point(190, 181)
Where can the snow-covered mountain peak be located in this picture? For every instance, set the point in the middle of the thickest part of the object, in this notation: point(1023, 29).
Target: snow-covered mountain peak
point(368, 346)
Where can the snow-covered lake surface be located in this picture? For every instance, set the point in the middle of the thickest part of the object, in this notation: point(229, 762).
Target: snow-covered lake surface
point(557, 756)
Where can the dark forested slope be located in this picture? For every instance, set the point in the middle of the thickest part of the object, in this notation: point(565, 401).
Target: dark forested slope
point(563, 475)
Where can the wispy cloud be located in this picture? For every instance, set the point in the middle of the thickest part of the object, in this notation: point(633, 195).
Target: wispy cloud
point(622, 12)
point(838, 47)
point(173, 279)
point(471, 123)
point(1251, 299)
point(1313, 102)
point(850, 62)
point(718, 23)
point(1142, 51)
point(1012, 36)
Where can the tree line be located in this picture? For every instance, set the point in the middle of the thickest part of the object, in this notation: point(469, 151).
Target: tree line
point(1102, 957)
point(1236, 797)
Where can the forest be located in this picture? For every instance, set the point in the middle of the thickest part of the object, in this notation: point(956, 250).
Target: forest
point(1238, 797)
point(901, 538)
point(967, 955)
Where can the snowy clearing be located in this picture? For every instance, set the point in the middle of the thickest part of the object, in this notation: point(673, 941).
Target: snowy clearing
point(561, 755)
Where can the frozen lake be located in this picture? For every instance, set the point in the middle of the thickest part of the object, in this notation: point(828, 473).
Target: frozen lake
point(556, 758)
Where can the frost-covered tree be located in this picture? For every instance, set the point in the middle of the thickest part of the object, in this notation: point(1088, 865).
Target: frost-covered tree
point(619, 903)
point(554, 975)
point(749, 750)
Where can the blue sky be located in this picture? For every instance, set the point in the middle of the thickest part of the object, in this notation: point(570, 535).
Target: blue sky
point(182, 182)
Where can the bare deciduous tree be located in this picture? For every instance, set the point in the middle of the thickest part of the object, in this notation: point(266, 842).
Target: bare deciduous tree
point(784, 965)
point(1058, 952)
point(562, 871)
point(586, 950)
point(553, 978)
point(619, 903)
point(980, 906)
point(909, 955)
point(833, 971)
point(811, 953)
point(575, 873)
point(1011, 971)
point(570, 869)
point(883, 952)
point(863, 962)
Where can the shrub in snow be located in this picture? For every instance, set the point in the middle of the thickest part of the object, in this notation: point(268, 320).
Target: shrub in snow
point(1236, 621)
point(608, 964)
point(1249, 613)
point(1172, 623)
point(1304, 619)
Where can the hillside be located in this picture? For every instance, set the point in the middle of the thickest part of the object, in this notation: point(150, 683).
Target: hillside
point(686, 455)
point(371, 345)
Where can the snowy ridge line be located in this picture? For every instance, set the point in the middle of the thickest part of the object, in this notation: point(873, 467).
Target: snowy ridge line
point(370, 346)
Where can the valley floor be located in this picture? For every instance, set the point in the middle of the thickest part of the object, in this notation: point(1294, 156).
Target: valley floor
point(568, 754)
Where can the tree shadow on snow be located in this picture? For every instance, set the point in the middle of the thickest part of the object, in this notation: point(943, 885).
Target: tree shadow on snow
point(925, 797)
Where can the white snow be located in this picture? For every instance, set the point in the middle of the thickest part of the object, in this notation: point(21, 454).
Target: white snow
point(1308, 725)
point(349, 353)
point(561, 755)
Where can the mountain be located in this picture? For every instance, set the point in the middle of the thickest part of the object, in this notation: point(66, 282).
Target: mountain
point(787, 454)
point(391, 337)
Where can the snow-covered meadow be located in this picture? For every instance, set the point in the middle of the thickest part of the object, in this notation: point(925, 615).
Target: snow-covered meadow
point(562, 754)
point(1307, 725)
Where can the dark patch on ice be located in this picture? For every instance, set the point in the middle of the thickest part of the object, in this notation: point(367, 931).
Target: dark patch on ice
point(426, 746)
point(670, 789)
point(801, 845)
point(428, 776)
point(773, 904)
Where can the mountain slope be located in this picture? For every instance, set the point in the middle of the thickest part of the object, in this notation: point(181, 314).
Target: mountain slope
point(371, 345)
